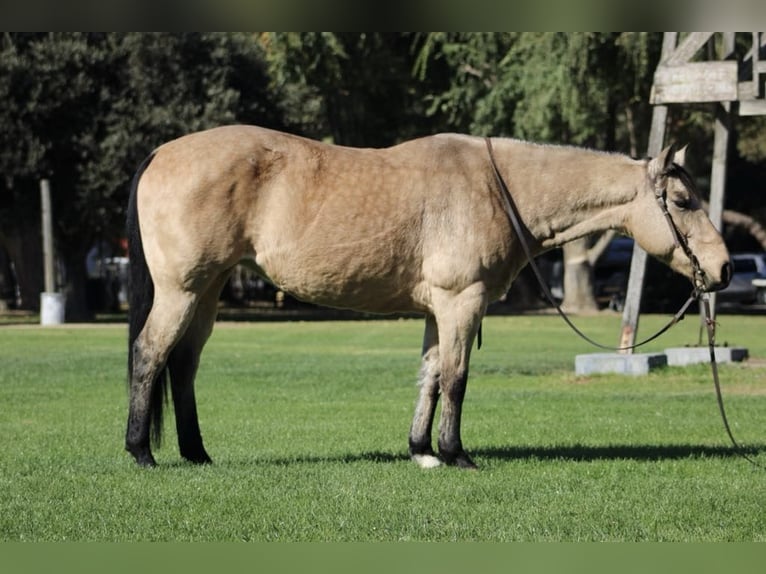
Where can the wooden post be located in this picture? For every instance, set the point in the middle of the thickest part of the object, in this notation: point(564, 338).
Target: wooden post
point(630, 312)
point(47, 222)
point(723, 123)
point(718, 171)
point(680, 79)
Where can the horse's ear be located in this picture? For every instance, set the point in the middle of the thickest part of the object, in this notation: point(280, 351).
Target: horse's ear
point(680, 157)
point(660, 165)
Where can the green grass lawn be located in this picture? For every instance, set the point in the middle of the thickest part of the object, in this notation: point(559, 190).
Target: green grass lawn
point(307, 425)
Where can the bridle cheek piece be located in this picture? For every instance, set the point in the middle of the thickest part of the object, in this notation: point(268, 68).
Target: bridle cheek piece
point(679, 240)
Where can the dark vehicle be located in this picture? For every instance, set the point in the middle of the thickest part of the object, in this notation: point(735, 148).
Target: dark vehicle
point(663, 289)
point(760, 290)
point(747, 283)
point(610, 274)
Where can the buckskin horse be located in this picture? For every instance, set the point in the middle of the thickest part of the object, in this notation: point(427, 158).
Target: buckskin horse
point(418, 227)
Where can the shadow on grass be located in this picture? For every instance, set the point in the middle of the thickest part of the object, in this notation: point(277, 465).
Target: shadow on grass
point(585, 453)
point(575, 453)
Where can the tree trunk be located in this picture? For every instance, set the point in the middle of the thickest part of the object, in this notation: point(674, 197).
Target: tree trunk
point(595, 252)
point(76, 288)
point(24, 246)
point(749, 224)
point(578, 278)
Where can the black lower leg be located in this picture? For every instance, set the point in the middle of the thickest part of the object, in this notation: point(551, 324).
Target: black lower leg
point(190, 443)
point(183, 367)
point(137, 442)
point(450, 445)
point(421, 447)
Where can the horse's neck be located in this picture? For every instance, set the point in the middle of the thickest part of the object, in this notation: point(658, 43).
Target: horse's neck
point(565, 193)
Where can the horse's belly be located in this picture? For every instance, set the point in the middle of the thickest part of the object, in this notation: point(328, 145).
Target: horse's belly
point(352, 278)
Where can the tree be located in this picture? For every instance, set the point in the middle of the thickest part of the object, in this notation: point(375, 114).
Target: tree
point(84, 109)
point(349, 88)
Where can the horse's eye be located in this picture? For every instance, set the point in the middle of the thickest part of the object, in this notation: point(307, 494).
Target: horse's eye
point(682, 202)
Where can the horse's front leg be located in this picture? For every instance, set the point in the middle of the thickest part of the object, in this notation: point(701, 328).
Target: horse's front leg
point(459, 317)
point(422, 423)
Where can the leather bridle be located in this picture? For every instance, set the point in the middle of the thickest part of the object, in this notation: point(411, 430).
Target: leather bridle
point(679, 239)
point(515, 219)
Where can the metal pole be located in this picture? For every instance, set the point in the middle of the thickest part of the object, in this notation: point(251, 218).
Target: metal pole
point(47, 221)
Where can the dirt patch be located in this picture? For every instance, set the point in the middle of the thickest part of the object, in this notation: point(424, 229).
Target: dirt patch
point(754, 363)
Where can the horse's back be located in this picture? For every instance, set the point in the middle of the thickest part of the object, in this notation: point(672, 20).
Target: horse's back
point(351, 227)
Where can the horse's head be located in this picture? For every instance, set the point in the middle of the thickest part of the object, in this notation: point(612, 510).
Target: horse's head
point(669, 223)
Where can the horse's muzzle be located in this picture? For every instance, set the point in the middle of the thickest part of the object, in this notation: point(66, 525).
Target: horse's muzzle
point(723, 282)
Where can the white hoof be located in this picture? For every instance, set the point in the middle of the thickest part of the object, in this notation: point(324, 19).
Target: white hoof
point(426, 460)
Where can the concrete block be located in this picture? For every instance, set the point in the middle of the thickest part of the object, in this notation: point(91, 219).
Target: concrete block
point(680, 356)
point(52, 307)
point(635, 364)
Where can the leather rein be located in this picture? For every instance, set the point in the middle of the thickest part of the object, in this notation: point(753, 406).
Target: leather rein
point(679, 240)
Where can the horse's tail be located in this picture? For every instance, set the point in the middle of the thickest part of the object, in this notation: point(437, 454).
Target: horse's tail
point(140, 303)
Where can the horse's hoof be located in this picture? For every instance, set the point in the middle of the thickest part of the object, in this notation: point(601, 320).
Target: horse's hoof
point(146, 461)
point(464, 462)
point(143, 456)
point(460, 460)
point(198, 458)
point(426, 460)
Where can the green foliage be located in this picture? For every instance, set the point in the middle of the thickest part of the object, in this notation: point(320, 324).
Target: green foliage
point(557, 87)
point(84, 109)
point(314, 447)
point(475, 93)
point(751, 142)
point(350, 88)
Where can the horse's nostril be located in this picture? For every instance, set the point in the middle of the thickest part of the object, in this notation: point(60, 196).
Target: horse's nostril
point(726, 273)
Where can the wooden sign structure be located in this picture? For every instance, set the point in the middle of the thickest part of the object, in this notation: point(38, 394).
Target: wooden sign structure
point(737, 87)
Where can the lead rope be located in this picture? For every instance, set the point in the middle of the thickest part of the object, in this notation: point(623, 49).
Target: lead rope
point(511, 212)
point(710, 324)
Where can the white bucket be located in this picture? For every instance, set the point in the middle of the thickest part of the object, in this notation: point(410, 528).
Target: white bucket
point(52, 308)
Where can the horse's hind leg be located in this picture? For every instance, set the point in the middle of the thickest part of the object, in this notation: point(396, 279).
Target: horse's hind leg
point(420, 432)
point(182, 364)
point(170, 315)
